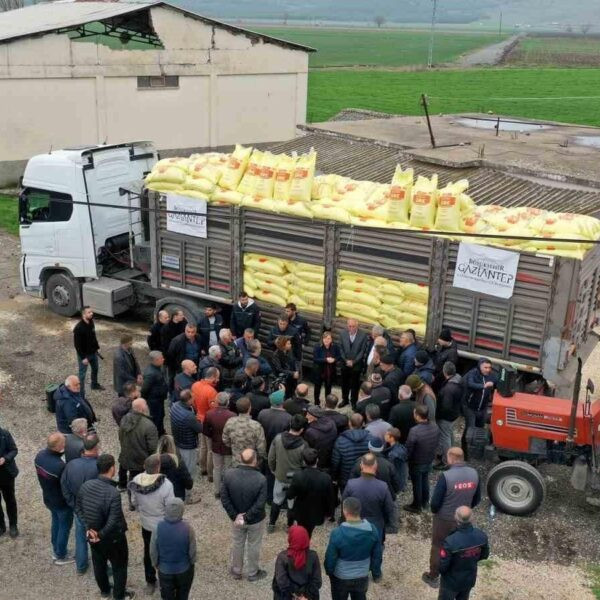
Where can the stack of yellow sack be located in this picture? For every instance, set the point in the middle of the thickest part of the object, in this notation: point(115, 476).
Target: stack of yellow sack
point(204, 174)
point(264, 278)
point(168, 175)
point(306, 284)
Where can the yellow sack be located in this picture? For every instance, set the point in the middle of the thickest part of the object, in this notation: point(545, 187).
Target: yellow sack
point(297, 208)
point(226, 197)
point(266, 176)
point(311, 298)
point(247, 185)
point(264, 264)
point(448, 212)
point(299, 283)
point(390, 323)
point(392, 287)
point(204, 170)
point(367, 288)
point(415, 292)
point(199, 185)
point(271, 286)
point(349, 309)
point(271, 297)
point(424, 203)
point(329, 211)
point(249, 278)
point(235, 168)
point(401, 195)
point(255, 202)
point(358, 298)
point(392, 300)
point(311, 276)
point(366, 222)
point(283, 177)
point(251, 291)
point(375, 206)
point(294, 266)
point(269, 278)
point(300, 304)
point(357, 195)
point(167, 174)
point(195, 194)
point(359, 278)
point(415, 308)
point(163, 186)
point(302, 179)
point(467, 205)
point(322, 188)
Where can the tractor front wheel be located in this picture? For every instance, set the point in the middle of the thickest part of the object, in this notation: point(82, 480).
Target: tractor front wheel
point(516, 488)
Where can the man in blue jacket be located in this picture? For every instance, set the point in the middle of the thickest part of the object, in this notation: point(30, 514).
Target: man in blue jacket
point(479, 386)
point(49, 466)
point(348, 448)
point(461, 552)
point(71, 405)
point(353, 551)
point(406, 355)
point(75, 474)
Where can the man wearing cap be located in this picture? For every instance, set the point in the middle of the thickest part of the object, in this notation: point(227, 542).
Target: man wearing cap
point(421, 447)
point(312, 492)
point(173, 552)
point(381, 394)
point(320, 434)
point(446, 350)
point(424, 366)
point(274, 420)
point(401, 415)
point(393, 377)
point(423, 394)
point(385, 469)
point(458, 486)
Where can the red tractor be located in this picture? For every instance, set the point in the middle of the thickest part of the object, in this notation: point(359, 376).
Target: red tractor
point(528, 430)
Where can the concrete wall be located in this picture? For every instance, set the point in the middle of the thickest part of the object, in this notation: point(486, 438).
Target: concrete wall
point(58, 92)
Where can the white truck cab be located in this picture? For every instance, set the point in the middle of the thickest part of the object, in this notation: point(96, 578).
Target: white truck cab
point(67, 234)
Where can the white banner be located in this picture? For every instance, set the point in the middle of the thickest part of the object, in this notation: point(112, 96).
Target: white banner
point(193, 223)
point(486, 270)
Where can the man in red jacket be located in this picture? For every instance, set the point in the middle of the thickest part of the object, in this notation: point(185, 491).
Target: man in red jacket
point(214, 422)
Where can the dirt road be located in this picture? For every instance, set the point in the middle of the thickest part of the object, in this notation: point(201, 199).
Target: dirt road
point(490, 55)
point(538, 558)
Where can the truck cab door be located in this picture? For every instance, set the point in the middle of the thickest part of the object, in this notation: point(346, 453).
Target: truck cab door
point(40, 213)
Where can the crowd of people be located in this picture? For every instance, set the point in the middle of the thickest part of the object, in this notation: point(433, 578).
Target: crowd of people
point(246, 426)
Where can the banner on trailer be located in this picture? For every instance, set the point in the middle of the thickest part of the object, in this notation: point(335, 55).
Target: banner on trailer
point(486, 270)
point(193, 222)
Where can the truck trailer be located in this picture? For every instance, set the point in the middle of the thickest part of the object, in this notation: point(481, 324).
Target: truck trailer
point(92, 234)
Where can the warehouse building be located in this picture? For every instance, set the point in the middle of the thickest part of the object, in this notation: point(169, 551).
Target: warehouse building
point(78, 72)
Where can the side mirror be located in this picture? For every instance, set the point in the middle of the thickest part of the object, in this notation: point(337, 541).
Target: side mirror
point(590, 386)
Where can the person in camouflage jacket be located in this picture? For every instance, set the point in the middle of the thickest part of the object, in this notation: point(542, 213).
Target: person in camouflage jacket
point(242, 432)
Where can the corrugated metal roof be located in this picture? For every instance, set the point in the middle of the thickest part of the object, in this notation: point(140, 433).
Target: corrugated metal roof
point(53, 16)
point(375, 162)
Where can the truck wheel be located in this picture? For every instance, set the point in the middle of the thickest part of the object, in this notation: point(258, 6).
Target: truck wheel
point(61, 292)
point(191, 311)
point(516, 488)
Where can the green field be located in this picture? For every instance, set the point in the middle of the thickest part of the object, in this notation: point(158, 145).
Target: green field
point(556, 51)
point(381, 48)
point(9, 214)
point(453, 91)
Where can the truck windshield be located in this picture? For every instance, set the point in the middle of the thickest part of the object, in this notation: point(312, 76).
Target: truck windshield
point(43, 205)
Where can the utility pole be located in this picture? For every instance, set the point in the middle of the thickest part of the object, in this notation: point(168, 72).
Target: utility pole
point(433, 15)
point(425, 105)
point(500, 27)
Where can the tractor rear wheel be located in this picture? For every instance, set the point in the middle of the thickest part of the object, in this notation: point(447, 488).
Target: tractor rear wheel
point(516, 488)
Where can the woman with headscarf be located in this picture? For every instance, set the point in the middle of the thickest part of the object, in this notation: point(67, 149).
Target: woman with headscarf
point(297, 569)
point(172, 467)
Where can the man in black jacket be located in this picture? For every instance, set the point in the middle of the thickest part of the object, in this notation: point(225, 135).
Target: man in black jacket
point(209, 325)
point(313, 493)
point(393, 377)
point(245, 315)
point(353, 347)
point(283, 327)
point(449, 399)
point(155, 389)
point(185, 346)
point(8, 474)
point(231, 357)
point(86, 346)
point(421, 446)
point(402, 415)
point(340, 419)
point(98, 506)
point(320, 434)
point(446, 350)
point(298, 404)
point(125, 365)
point(244, 496)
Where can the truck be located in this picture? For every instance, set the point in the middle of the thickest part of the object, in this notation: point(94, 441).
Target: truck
point(92, 234)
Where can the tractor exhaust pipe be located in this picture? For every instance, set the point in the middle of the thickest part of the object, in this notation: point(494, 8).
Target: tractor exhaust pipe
point(576, 390)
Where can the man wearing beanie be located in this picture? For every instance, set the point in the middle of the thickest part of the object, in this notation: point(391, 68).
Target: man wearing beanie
point(173, 552)
point(422, 393)
point(424, 366)
point(393, 377)
point(381, 394)
point(445, 351)
point(274, 420)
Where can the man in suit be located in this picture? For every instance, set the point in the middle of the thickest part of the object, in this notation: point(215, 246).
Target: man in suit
point(353, 345)
point(125, 366)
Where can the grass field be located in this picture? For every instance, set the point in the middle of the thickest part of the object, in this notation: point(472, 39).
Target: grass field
point(381, 48)
point(471, 90)
point(556, 51)
point(9, 214)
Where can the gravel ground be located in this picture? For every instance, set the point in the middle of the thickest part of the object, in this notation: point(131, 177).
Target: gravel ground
point(535, 558)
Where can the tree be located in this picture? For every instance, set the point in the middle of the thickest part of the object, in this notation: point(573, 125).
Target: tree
point(379, 21)
point(585, 28)
point(6, 5)
point(286, 16)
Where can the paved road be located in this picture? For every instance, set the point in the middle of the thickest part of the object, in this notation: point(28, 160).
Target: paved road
point(490, 55)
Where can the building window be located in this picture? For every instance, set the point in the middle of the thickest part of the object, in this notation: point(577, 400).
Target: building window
point(157, 82)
